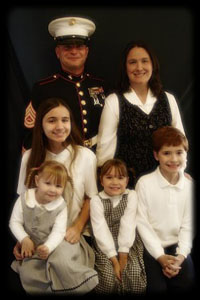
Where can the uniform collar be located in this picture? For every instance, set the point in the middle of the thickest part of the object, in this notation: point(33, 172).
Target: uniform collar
point(72, 77)
point(32, 202)
point(164, 183)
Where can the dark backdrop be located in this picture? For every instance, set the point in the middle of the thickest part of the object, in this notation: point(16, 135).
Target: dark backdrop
point(30, 56)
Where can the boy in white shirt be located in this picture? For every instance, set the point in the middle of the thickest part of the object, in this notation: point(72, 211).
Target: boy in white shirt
point(164, 218)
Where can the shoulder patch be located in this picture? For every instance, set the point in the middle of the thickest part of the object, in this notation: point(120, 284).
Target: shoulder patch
point(30, 114)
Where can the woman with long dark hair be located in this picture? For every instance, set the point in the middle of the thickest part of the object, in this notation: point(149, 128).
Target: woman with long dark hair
point(137, 108)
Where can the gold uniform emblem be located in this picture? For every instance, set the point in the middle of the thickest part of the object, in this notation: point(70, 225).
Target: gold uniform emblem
point(72, 22)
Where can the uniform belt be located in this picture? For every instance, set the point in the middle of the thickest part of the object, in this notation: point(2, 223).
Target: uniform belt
point(91, 142)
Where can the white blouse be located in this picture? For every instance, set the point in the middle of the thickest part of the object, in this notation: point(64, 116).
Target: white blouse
point(101, 230)
point(83, 173)
point(107, 135)
point(164, 213)
point(16, 222)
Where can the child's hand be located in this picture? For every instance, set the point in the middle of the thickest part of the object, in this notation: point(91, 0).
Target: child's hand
point(17, 251)
point(170, 272)
point(73, 234)
point(117, 271)
point(43, 251)
point(173, 269)
point(123, 257)
point(116, 267)
point(166, 260)
point(27, 247)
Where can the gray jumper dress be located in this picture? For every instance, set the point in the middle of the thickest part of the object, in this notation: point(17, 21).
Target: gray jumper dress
point(68, 269)
point(133, 276)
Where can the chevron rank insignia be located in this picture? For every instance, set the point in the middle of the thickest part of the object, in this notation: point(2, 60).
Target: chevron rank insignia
point(30, 114)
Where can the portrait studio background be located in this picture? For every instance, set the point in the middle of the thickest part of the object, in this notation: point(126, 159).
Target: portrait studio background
point(30, 56)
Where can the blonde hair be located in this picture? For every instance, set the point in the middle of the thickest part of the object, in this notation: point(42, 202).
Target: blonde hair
point(49, 169)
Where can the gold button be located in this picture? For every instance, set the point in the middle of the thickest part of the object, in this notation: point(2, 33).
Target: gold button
point(81, 93)
point(78, 84)
point(83, 102)
point(85, 130)
point(84, 112)
point(84, 121)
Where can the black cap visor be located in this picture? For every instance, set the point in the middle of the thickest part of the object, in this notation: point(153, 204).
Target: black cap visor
point(72, 40)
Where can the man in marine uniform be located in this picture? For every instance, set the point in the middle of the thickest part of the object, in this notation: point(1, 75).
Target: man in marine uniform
point(83, 92)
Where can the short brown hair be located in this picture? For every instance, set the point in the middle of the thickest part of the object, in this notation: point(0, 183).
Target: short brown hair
point(168, 135)
point(118, 164)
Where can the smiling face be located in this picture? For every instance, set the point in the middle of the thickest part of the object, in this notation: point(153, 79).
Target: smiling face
point(113, 182)
point(139, 66)
point(171, 159)
point(48, 189)
point(72, 57)
point(57, 126)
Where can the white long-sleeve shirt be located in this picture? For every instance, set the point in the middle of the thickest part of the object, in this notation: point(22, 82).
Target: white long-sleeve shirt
point(16, 222)
point(83, 174)
point(164, 214)
point(107, 134)
point(101, 230)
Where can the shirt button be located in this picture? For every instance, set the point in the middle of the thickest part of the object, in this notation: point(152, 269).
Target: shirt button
point(84, 112)
point(83, 102)
point(150, 126)
point(85, 130)
point(78, 84)
point(81, 93)
point(84, 121)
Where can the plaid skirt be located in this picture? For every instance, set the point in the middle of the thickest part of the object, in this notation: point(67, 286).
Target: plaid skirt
point(133, 276)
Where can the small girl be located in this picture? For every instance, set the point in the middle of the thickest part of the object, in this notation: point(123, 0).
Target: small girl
point(38, 221)
point(117, 246)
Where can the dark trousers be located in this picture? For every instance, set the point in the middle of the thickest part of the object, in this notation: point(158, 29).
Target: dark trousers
point(157, 282)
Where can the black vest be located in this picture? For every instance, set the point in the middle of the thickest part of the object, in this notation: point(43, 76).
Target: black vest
point(134, 135)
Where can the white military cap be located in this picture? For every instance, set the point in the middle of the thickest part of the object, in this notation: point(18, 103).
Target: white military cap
point(66, 28)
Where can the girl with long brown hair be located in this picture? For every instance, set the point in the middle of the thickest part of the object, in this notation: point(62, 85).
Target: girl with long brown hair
point(55, 137)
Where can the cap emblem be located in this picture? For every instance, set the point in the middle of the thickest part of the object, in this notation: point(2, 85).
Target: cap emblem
point(72, 22)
